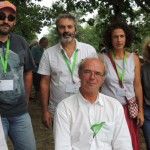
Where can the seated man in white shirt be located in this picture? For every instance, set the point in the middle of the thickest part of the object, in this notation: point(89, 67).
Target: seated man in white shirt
point(3, 145)
point(90, 120)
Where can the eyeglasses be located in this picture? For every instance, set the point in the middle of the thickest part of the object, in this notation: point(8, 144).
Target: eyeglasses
point(10, 17)
point(89, 73)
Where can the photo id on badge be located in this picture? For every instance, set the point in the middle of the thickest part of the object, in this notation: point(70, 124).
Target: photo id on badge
point(6, 85)
point(72, 88)
point(121, 92)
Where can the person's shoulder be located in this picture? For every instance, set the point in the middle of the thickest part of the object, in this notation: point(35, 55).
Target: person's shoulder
point(35, 47)
point(14, 35)
point(52, 49)
point(146, 66)
point(112, 101)
point(15, 38)
point(68, 103)
point(84, 44)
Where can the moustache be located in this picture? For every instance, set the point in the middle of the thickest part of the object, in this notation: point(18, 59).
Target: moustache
point(66, 34)
point(5, 24)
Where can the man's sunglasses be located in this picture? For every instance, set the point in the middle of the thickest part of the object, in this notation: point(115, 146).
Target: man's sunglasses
point(10, 17)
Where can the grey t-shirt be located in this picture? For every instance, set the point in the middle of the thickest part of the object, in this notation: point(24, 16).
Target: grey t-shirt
point(14, 102)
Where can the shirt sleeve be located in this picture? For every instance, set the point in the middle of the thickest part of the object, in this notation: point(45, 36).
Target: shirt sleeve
point(121, 137)
point(62, 135)
point(3, 145)
point(44, 66)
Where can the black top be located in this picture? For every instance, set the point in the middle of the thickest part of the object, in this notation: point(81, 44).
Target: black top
point(146, 83)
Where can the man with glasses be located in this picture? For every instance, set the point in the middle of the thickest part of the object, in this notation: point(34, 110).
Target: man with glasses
point(16, 66)
point(58, 66)
point(90, 120)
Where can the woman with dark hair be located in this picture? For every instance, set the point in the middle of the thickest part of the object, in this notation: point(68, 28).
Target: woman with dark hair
point(146, 91)
point(123, 80)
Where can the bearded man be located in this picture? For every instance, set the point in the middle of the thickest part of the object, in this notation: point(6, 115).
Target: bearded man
point(59, 67)
point(16, 66)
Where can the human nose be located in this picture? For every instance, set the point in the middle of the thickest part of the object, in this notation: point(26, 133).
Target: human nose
point(92, 75)
point(66, 29)
point(119, 38)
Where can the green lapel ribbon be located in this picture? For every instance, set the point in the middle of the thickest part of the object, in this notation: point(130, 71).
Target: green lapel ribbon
point(96, 128)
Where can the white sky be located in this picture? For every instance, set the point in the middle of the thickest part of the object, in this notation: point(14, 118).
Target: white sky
point(46, 3)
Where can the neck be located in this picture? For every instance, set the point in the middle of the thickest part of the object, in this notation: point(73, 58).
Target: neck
point(91, 97)
point(119, 54)
point(4, 38)
point(69, 48)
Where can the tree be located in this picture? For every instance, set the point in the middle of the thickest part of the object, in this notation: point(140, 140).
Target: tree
point(135, 13)
point(115, 8)
point(30, 18)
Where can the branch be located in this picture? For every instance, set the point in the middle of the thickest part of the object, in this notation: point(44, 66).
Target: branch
point(145, 6)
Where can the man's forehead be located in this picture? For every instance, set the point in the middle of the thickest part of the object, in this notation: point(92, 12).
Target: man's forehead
point(64, 20)
point(95, 64)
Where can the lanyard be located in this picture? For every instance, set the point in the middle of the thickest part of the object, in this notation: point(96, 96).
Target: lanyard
point(96, 128)
point(74, 62)
point(4, 59)
point(121, 75)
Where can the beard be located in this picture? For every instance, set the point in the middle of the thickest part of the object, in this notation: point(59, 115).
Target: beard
point(5, 32)
point(67, 40)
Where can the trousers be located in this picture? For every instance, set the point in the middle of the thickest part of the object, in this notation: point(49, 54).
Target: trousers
point(20, 131)
point(146, 126)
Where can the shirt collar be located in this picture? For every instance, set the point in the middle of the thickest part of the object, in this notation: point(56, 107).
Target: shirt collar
point(82, 100)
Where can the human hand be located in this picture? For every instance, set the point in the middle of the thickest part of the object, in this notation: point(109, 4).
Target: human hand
point(47, 119)
point(140, 119)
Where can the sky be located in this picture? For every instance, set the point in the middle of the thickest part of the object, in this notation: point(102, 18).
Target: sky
point(46, 3)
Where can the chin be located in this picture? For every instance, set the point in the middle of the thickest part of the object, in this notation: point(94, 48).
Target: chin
point(4, 32)
point(66, 41)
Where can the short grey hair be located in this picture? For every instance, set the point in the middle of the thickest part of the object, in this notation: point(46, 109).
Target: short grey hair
point(81, 64)
point(66, 16)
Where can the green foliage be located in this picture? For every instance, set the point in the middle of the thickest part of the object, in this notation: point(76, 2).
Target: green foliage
point(134, 12)
point(30, 18)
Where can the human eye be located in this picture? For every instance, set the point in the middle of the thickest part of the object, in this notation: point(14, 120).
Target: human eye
point(61, 27)
point(122, 36)
point(87, 72)
point(98, 74)
point(114, 36)
point(70, 26)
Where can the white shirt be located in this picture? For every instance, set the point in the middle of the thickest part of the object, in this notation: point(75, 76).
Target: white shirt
point(111, 86)
point(74, 117)
point(3, 145)
point(53, 64)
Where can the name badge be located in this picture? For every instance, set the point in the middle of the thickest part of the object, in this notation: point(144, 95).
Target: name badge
point(72, 87)
point(6, 85)
point(121, 92)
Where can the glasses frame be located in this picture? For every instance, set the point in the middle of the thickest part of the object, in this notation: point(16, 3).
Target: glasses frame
point(10, 17)
point(88, 73)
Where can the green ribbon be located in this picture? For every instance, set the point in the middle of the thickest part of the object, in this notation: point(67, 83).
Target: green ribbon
point(68, 64)
point(96, 128)
point(121, 75)
point(4, 59)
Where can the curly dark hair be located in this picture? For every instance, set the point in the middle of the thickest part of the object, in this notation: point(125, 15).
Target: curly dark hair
point(118, 25)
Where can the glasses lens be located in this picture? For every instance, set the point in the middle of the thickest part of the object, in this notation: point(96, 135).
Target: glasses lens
point(11, 18)
point(2, 16)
